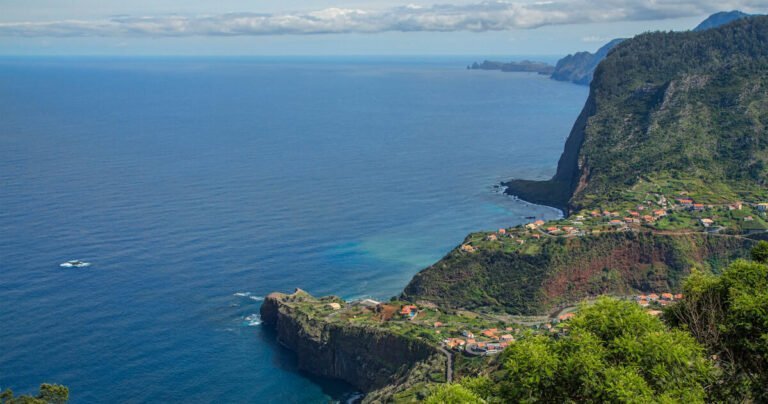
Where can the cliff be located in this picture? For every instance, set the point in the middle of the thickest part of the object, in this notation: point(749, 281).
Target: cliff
point(690, 105)
point(562, 271)
point(371, 359)
point(579, 67)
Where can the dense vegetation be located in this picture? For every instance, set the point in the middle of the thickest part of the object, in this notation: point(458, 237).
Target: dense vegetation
point(558, 271)
point(729, 315)
point(713, 347)
point(689, 105)
point(681, 105)
point(48, 394)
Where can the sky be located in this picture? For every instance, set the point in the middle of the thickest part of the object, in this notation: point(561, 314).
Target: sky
point(339, 27)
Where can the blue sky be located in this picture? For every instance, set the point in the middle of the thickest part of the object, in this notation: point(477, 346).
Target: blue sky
point(335, 27)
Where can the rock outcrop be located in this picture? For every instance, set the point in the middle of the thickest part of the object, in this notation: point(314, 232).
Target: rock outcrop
point(369, 358)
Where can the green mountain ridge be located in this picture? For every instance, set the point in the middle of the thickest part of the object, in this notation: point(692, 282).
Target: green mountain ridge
point(689, 104)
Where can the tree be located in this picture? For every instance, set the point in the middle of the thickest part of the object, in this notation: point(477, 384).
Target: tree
point(453, 394)
point(48, 394)
point(729, 315)
point(760, 252)
point(613, 352)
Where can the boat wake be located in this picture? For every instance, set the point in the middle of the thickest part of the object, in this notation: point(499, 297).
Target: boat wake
point(75, 264)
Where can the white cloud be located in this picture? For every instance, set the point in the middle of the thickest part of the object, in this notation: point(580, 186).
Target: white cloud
point(485, 16)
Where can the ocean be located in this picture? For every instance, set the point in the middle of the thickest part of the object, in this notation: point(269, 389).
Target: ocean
point(196, 186)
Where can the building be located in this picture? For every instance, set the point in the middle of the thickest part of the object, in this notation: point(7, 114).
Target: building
point(334, 306)
point(468, 334)
point(762, 207)
point(368, 303)
point(491, 332)
point(706, 222)
point(409, 311)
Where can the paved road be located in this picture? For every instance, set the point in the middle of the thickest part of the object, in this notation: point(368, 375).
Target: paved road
point(449, 366)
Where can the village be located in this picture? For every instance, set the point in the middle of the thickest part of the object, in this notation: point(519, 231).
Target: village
point(463, 332)
point(652, 212)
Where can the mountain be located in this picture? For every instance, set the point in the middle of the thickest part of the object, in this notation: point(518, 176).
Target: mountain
point(579, 68)
point(676, 124)
point(691, 107)
point(721, 18)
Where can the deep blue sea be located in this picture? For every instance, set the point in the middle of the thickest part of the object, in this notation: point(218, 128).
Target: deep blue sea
point(197, 186)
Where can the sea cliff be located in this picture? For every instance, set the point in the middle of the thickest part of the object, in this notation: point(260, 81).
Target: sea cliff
point(375, 360)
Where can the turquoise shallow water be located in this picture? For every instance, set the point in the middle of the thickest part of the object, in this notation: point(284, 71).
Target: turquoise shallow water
point(197, 186)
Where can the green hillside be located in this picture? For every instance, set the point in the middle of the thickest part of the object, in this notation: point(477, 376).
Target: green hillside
point(691, 106)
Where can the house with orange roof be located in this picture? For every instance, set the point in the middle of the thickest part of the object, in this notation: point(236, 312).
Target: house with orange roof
point(536, 236)
point(653, 296)
point(616, 222)
point(453, 343)
point(660, 212)
point(566, 316)
point(502, 231)
point(409, 310)
point(678, 296)
point(438, 324)
point(491, 332)
point(539, 222)
point(467, 248)
point(491, 237)
point(648, 219)
point(667, 296)
point(507, 337)
point(643, 302)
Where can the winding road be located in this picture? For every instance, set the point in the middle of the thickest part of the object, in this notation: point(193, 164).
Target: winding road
point(449, 365)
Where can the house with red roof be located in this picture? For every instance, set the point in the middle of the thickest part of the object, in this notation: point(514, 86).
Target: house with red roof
point(409, 310)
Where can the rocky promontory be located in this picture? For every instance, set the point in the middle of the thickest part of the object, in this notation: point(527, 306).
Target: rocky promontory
point(369, 358)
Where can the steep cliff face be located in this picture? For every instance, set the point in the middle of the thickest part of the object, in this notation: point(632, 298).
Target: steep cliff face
point(689, 104)
point(366, 357)
point(564, 271)
point(580, 67)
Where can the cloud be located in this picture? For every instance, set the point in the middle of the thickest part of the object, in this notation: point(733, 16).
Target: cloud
point(479, 17)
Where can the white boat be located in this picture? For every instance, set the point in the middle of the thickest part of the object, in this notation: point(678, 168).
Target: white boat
point(75, 264)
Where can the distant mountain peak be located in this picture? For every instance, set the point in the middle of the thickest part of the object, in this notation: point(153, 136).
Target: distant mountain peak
point(717, 19)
